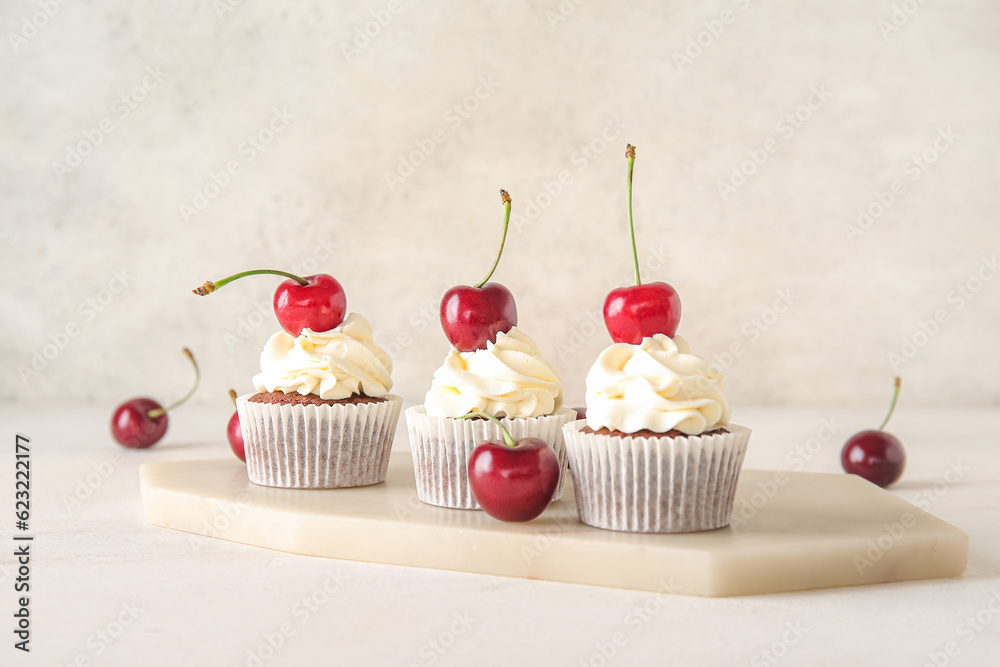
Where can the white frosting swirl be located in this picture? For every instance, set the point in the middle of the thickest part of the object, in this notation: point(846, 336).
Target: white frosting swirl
point(657, 385)
point(508, 378)
point(332, 364)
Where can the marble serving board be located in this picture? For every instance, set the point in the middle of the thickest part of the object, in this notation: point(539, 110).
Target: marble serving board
point(790, 532)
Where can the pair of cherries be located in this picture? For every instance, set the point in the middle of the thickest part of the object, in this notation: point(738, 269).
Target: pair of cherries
point(473, 316)
point(315, 302)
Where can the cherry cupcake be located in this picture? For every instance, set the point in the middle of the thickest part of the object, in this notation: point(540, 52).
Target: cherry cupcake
point(494, 368)
point(323, 416)
point(657, 452)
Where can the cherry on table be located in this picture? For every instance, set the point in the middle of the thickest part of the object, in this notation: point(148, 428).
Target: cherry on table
point(641, 310)
point(473, 316)
point(235, 434)
point(876, 455)
point(513, 481)
point(141, 422)
point(312, 302)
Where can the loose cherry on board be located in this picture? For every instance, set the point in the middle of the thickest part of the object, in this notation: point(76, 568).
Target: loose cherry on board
point(473, 316)
point(512, 481)
point(141, 422)
point(313, 302)
point(235, 434)
point(636, 312)
point(875, 455)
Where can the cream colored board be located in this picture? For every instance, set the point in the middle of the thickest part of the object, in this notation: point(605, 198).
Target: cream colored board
point(790, 532)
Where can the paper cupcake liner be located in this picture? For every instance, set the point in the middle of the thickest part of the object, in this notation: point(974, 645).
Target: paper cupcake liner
point(655, 485)
point(318, 446)
point(442, 446)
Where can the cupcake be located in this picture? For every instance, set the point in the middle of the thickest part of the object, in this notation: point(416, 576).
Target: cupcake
point(508, 379)
point(322, 416)
point(657, 452)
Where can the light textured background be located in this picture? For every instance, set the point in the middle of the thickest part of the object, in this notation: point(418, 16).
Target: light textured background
point(318, 189)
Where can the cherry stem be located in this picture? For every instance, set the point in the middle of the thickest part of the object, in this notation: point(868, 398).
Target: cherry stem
point(232, 395)
point(505, 198)
point(153, 414)
point(895, 397)
point(509, 441)
point(211, 286)
point(630, 154)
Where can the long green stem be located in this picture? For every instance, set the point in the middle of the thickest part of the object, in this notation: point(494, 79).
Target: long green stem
point(505, 198)
point(509, 441)
point(895, 397)
point(211, 286)
point(630, 154)
point(152, 414)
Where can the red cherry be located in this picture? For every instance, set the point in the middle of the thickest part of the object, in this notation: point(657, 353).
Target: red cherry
point(471, 316)
point(514, 483)
point(314, 302)
point(235, 433)
point(235, 436)
point(141, 422)
point(132, 426)
point(876, 455)
point(636, 312)
point(319, 306)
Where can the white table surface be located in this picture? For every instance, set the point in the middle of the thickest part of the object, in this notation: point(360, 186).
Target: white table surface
point(109, 590)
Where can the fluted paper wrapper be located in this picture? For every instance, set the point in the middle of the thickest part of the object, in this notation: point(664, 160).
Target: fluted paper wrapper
point(442, 446)
point(655, 485)
point(318, 446)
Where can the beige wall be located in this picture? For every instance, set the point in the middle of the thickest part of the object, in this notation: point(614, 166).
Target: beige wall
point(536, 97)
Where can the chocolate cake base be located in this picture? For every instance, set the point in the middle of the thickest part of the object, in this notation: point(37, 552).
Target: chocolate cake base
point(645, 433)
point(281, 398)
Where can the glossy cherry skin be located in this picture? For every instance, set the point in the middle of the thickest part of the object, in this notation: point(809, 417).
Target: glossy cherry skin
point(319, 306)
point(132, 426)
point(514, 483)
point(473, 316)
point(875, 455)
point(640, 311)
point(235, 435)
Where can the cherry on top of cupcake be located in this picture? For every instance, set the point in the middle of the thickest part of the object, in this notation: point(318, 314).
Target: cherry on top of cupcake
point(473, 316)
point(314, 302)
point(641, 310)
